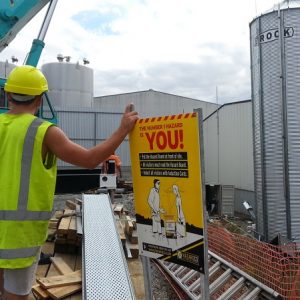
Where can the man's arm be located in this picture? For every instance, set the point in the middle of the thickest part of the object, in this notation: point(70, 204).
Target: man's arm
point(60, 145)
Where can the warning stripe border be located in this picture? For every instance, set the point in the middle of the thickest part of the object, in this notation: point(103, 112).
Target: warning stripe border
point(168, 118)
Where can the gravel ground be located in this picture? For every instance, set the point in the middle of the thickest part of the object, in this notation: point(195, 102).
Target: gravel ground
point(60, 200)
point(160, 287)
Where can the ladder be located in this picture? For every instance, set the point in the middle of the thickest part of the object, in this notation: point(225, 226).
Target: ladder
point(226, 282)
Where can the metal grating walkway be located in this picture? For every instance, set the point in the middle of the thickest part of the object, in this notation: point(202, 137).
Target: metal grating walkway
point(105, 272)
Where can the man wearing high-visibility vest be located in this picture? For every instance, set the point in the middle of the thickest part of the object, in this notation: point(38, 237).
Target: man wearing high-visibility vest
point(112, 165)
point(29, 147)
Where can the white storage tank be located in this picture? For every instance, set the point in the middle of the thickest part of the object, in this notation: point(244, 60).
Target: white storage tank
point(5, 68)
point(70, 84)
point(275, 70)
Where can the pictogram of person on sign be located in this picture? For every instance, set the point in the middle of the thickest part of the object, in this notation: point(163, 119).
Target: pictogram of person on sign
point(154, 203)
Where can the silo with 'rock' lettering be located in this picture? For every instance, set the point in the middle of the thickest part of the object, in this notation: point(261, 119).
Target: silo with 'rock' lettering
point(275, 74)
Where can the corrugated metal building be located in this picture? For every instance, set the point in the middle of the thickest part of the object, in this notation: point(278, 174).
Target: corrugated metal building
point(88, 126)
point(228, 151)
point(153, 103)
point(5, 68)
point(228, 145)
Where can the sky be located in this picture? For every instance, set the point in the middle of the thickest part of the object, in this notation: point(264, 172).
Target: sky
point(193, 48)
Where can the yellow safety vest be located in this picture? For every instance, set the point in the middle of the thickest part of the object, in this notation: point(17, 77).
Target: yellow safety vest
point(27, 186)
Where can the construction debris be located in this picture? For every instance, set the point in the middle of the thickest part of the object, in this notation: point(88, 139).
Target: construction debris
point(127, 229)
point(58, 287)
point(60, 280)
point(66, 232)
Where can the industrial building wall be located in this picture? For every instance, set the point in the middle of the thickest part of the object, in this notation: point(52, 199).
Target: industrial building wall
point(153, 103)
point(228, 146)
point(89, 127)
point(228, 151)
point(5, 68)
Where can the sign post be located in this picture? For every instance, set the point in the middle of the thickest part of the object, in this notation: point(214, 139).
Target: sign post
point(204, 276)
point(168, 188)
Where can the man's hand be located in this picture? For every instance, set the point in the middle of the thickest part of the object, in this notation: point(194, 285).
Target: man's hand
point(129, 119)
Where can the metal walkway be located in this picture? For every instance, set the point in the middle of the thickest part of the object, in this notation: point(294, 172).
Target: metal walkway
point(226, 282)
point(105, 272)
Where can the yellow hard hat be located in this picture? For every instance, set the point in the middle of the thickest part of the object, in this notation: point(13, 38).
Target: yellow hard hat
point(26, 80)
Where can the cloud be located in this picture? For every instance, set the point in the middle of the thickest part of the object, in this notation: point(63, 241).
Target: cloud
point(182, 47)
point(99, 23)
point(195, 80)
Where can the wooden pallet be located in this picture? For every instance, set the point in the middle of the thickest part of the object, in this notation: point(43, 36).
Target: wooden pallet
point(62, 264)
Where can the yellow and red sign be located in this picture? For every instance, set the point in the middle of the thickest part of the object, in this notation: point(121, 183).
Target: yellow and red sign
point(166, 171)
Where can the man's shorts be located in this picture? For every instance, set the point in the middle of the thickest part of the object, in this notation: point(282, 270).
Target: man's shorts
point(20, 281)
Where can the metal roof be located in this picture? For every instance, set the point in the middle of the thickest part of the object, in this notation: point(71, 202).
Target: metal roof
point(284, 5)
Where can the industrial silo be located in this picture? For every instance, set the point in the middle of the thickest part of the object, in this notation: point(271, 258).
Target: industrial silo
point(275, 71)
point(70, 84)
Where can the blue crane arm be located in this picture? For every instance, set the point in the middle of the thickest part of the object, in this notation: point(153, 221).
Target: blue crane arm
point(14, 15)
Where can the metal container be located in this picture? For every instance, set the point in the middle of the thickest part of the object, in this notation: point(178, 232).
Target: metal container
point(70, 84)
point(275, 71)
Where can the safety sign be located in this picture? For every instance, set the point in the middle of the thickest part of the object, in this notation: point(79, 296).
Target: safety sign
point(167, 183)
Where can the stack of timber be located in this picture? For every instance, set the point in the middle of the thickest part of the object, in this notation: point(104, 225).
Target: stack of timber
point(69, 232)
point(66, 283)
point(53, 223)
point(126, 226)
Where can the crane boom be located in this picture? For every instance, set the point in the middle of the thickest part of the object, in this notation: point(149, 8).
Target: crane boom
point(14, 15)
